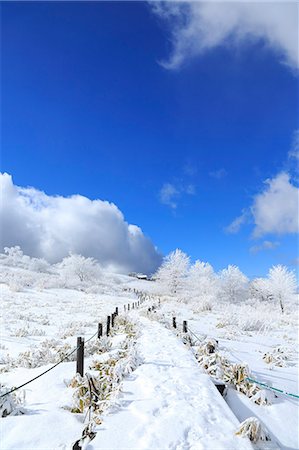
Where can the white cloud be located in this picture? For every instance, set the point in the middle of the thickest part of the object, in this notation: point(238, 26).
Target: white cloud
point(236, 224)
point(274, 210)
point(294, 152)
point(170, 194)
point(50, 227)
point(266, 245)
point(218, 174)
point(197, 27)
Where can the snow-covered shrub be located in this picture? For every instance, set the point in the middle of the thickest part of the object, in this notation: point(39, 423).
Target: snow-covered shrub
point(11, 404)
point(204, 303)
point(26, 331)
point(124, 325)
point(21, 332)
point(16, 283)
point(219, 367)
point(98, 346)
point(94, 391)
point(247, 318)
point(277, 357)
point(98, 390)
point(127, 364)
point(251, 323)
point(172, 275)
point(233, 284)
point(39, 265)
point(48, 352)
point(253, 430)
point(282, 284)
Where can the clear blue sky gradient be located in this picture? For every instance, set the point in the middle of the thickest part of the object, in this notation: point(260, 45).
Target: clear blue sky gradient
point(88, 109)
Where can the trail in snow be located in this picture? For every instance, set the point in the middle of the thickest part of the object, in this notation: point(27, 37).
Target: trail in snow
point(168, 403)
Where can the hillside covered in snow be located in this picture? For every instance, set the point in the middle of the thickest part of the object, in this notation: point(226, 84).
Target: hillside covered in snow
point(153, 385)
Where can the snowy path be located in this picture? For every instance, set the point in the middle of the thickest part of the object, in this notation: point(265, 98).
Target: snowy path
point(168, 403)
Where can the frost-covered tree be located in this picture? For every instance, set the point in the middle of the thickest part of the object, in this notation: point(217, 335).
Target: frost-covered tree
point(282, 284)
point(260, 289)
point(173, 272)
point(14, 256)
point(77, 267)
point(202, 280)
point(39, 265)
point(233, 284)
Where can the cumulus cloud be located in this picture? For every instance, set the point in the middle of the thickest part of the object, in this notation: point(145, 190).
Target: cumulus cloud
point(51, 227)
point(197, 27)
point(170, 194)
point(274, 210)
point(266, 245)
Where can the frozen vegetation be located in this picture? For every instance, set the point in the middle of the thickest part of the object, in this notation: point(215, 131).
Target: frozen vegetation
point(148, 385)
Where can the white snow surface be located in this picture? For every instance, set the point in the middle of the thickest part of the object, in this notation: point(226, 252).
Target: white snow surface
point(168, 402)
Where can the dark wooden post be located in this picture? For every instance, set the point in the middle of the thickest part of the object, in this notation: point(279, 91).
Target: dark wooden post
point(80, 356)
point(185, 329)
point(100, 330)
point(116, 311)
point(174, 322)
point(108, 325)
point(128, 306)
point(133, 305)
point(112, 319)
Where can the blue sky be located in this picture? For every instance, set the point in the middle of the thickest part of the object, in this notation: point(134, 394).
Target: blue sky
point(91, 107)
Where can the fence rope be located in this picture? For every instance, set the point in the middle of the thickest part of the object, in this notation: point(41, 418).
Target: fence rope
point(48, 370)
point(281, 391)
point(196, 337)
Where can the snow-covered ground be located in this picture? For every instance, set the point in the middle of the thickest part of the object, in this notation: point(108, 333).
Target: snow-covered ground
point(168, 402)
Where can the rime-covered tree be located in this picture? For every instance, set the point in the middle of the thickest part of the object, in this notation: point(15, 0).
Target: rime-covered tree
point(202, 281)
point(78, 267)
point(173, 272)
point(260, 289)
point(15, 256)
point(282, 284)
point(233, 284)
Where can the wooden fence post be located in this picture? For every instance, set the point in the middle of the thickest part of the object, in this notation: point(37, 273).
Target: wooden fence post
point(108, 325)
point(185, 329)
point(112, 319)
point(128, 306)
point(80, 356)
point(116, 311)
point(100, 330)
point(174, 322)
